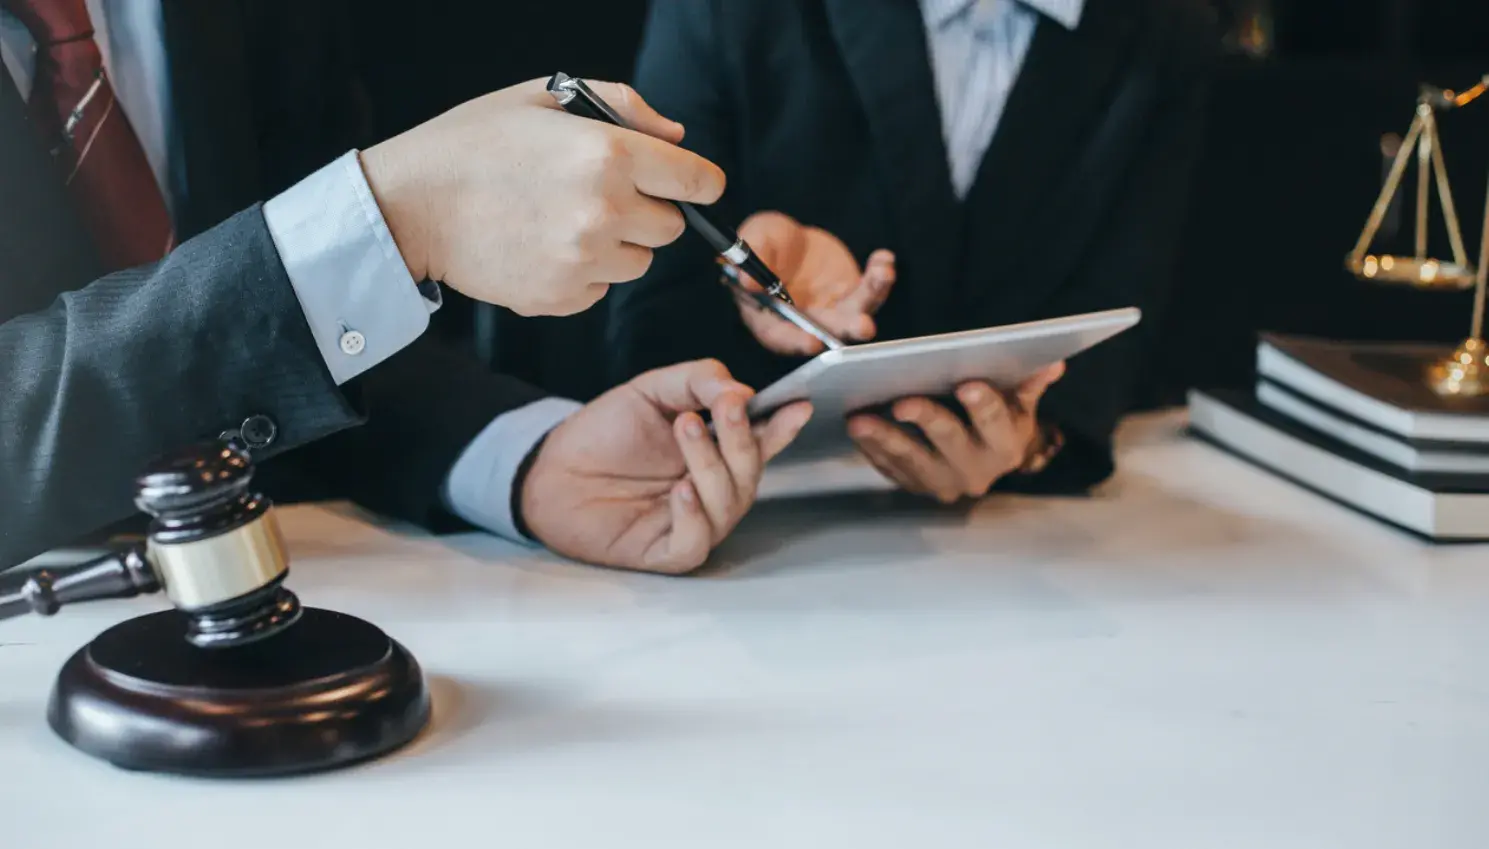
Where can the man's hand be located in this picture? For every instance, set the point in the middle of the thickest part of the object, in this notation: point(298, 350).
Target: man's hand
point(634, 479)
point(962, 462)
point(823, 279)
point(514, 202)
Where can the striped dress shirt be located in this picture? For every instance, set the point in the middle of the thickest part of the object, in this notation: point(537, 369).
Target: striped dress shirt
point(977, 49)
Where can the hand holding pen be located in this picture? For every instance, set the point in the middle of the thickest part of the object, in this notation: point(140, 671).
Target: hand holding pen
point(579, 99)
point(735, 254)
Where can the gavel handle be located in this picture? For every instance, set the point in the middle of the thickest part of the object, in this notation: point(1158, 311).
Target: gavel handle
point(121, 574)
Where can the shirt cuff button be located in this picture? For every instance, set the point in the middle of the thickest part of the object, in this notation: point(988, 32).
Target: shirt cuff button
point(353, 343)
point(258, 431)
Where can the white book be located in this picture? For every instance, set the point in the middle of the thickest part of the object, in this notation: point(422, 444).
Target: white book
point(1409, 456)
point(1440, 508)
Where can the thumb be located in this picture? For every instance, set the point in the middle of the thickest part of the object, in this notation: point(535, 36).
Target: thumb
point(1030, 391)
point(873, 287)
point(783, 426)
point(689, 386)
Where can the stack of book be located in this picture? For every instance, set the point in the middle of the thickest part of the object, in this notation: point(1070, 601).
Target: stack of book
point(1359, 424)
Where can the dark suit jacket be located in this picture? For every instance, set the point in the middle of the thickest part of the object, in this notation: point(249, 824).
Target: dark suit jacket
point(826, 110)
point(99, 374)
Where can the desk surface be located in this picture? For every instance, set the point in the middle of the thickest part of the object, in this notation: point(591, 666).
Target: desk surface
point(1200, 656)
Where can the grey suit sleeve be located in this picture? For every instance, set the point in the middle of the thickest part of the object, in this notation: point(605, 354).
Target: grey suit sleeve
point(111, 375)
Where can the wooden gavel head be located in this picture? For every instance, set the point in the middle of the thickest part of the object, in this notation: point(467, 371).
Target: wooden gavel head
point(214, 548)
point(215, 545)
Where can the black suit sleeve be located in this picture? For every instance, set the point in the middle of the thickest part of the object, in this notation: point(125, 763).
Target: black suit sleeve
point(145, 360)
point(423, 405)
point(1132, 261)
point(113, 374)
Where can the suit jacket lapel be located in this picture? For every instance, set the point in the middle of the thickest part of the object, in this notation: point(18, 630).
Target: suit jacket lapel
point(44, 249)
point(213, 104)
point(1041, 137)
point(884, 47)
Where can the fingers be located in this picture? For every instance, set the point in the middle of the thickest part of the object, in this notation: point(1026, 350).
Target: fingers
point(1002, 429)
point(778, 335)
point(685, 547)
point(956, 445)
point(739, 448)
point(637, 112)
point(623, 262)
point(873, 288)
point(664, 170)
point(651, 223)
point(695, 385)
point(930, 474)
point(886, 464)
point(707, 471)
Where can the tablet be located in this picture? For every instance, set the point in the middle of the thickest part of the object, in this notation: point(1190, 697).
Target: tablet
point(862, 377)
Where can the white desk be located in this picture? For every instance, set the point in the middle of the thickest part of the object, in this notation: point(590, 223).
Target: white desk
point(1200, 657)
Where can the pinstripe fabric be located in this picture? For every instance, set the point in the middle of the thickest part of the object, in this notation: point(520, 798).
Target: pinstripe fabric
point(977, 48)
point(144, 361)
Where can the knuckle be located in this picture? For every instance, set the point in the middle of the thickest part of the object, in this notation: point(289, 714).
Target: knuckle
point(616, 154)
point(627, 97)
point(714, 366)
point(568, 259)
point(594, 218)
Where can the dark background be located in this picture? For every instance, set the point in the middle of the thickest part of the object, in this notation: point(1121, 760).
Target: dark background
point(1291, 165)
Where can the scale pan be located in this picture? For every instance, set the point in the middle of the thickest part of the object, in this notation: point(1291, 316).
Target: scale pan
point(1410, 271)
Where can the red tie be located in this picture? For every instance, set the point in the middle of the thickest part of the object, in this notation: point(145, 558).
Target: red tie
point(73, 105)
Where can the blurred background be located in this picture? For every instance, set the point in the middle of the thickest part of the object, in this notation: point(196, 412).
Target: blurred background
point(1306, 105)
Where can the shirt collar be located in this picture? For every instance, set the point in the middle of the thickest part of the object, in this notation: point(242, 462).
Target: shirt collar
point(939, 13)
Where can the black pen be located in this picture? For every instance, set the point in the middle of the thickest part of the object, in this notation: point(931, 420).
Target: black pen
point(761, 301)
point(579, 99)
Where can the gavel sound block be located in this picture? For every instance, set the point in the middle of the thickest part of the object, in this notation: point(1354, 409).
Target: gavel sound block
point(238, 679)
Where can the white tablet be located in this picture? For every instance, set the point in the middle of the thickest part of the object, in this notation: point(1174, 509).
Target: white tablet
point(858, 377)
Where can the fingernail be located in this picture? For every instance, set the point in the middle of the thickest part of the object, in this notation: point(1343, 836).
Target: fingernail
point(735, 413)
point(975, 394)
point(694, 429)
point(686, 493)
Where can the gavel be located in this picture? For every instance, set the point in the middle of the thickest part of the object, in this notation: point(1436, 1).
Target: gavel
point(214, 547)
point(238, 679)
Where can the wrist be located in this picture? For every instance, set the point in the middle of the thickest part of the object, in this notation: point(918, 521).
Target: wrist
point(519, 491)
point(395, 189)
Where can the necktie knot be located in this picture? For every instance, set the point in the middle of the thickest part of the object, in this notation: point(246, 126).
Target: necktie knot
point(52, 22)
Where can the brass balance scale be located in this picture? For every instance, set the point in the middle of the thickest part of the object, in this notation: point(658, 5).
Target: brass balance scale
point(1465, 372)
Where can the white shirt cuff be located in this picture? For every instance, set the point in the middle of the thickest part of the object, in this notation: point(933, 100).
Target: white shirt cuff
point(479, 487)
point(361, 303)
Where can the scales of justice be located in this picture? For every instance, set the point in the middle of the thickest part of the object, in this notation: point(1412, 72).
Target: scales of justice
point(1465, 372)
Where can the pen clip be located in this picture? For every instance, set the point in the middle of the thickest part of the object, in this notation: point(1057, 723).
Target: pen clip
point(566, 89)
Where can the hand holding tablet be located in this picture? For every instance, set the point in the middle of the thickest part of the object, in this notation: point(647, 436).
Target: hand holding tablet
point(883, 379)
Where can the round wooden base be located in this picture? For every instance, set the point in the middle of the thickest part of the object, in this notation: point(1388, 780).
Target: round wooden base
point(329, 691)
